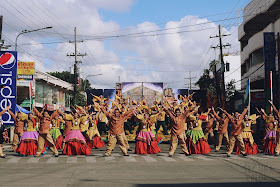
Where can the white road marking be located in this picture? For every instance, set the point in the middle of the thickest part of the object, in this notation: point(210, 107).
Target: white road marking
point(48, 155)
point(110, 159)
point(33, 160)
point(81, 156)
point(14, 160)
point(90, 159)
point(167, 159)
point(98, 154)
point(257, 157)
point(116, 154)
point(236, 157)
point(129, 159)
point(269, 156)
point(202, 157)
point(52, 160)
point(149, 159)
point(72, 160)
point(183, 157)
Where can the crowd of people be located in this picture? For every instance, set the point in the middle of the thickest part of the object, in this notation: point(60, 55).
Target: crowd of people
point(77, 132)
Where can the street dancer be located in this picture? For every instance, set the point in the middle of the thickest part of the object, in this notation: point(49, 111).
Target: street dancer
point(116, 127)
point(1, 113)
point(222, 129)
point(235, 133)
point(177, 130)
point(44, 132)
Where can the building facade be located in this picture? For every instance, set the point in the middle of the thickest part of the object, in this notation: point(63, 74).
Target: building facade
point(48, 91)
point(258, 17)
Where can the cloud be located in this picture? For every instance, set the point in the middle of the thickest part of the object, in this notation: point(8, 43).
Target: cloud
point(139, 54)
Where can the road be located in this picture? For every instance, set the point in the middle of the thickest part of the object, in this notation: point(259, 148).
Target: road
point(214, 169)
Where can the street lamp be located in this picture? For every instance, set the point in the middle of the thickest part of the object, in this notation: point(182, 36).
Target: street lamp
point(27, 31)
point(87, 77)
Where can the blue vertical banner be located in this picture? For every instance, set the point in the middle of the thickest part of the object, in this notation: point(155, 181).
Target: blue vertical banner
point(269, 50)
point(247, 94)
point(8, 81)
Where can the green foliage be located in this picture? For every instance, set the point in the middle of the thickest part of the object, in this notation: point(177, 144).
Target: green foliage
point(85, 85)
point(64, 75)
point(232, 95)
point(205, 81)
point(80, 99)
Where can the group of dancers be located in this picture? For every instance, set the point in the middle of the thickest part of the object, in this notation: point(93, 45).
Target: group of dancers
point(77, 132)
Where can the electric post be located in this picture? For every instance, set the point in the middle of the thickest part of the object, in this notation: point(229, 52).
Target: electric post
point(190, 79)
point(76, 54)
point(278, 59)
point(221, 92)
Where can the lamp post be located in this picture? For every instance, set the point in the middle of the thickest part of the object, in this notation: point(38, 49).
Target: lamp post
point(87, 77)
point(28, 31)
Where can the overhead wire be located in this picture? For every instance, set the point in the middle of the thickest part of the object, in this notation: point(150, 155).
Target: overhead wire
point(151, 70)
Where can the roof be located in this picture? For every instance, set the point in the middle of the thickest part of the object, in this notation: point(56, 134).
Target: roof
point(53, 80)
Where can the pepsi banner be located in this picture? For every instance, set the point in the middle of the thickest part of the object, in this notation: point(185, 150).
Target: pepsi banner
point(8, 81)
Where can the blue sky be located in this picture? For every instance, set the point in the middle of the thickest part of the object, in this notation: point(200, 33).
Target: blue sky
point(165, 57)
point(161, 11)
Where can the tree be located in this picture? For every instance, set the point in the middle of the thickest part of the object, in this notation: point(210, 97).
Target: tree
point(232, 95)
point(207, 82)
point(80, 99)
point(64, 75)
point(85, 85)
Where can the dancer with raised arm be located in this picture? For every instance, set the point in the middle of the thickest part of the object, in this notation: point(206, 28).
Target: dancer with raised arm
point(277, 149)
point(235, 133)
point(19, 124)
point(250, 145)
point(44, 132)
point(29, 139)
point(116, 127)
point(196, 142)
point(75, 142)
point(1, 113)
point(269, 140)
point(222, 129)
point(178, 130)
point(93, 134)
point(145, 140)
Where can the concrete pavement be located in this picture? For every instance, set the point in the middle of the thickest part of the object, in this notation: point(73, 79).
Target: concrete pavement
point(139, 170)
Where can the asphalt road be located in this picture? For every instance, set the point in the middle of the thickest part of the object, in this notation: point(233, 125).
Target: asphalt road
point(214, 169)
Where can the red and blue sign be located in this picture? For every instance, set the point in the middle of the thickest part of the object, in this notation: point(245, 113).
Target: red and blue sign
point(8, 80)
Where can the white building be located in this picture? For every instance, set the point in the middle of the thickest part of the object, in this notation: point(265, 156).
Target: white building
point(49, 91)
point(259, 16)
point(234, 72)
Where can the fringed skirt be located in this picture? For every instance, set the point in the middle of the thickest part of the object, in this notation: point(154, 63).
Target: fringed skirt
point(146, 143)
point(250, 146)
point(75, 144)
point(28, 144)
point(269, 142)
point(196, 142)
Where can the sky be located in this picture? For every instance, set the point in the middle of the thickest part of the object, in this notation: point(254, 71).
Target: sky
point(136, 40)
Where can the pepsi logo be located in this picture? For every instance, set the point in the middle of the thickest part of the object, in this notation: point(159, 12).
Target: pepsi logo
point(7, 61)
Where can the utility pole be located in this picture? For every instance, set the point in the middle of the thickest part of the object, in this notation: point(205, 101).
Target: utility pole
point(278, 58)
point(190, 79)
point(2, 46)
point(221, 70)
point(76, 63)
point(1, 41)
point(1, 23)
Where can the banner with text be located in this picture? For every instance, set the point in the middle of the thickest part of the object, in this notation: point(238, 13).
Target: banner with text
point(25, 73)
point(8, 76)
